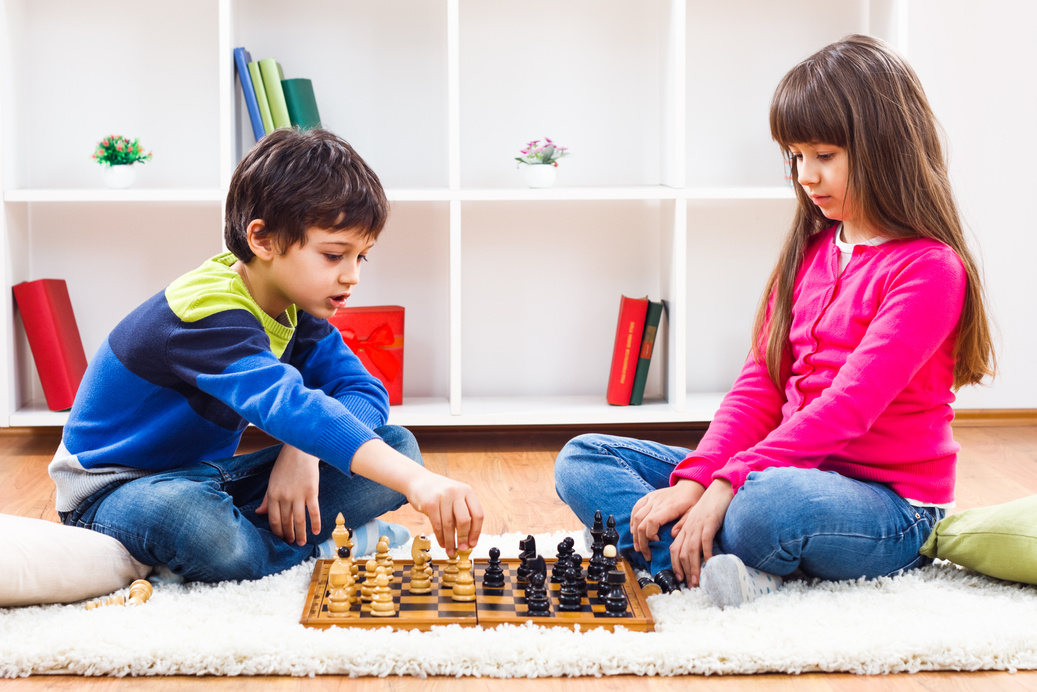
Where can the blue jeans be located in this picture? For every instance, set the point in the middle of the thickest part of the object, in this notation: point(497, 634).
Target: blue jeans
point(201, 519)
point(783, 519)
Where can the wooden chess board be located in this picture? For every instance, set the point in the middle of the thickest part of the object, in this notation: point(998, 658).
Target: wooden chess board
point(490, 608)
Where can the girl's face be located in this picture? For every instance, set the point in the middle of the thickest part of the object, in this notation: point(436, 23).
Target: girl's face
point(824, 174)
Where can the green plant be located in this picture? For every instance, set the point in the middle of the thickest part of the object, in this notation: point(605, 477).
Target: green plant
point(537, 154)
point(116, 150)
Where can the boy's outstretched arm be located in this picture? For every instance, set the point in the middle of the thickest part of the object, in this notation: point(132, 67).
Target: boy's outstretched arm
point(450, 505)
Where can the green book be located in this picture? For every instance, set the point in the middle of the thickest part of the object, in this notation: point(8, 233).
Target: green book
point(301, 102)
point(272, 76)
point(644, 359)
point(264, 105)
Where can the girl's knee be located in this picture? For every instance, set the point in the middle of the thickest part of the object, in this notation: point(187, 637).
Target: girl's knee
point(573, 463)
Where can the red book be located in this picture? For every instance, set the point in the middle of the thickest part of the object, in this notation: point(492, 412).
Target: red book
point(626, 350)
point(375, 335)
point(53, 337)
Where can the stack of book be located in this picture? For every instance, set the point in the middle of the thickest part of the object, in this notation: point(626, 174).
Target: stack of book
point(632, 353)
point(273, 101)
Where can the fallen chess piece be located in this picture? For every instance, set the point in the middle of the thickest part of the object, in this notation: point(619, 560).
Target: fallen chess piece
point(140, 592)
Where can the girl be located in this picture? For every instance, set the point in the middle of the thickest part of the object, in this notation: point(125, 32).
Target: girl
point(832, 454)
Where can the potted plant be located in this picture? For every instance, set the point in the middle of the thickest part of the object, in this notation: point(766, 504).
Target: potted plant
point(539, 162)
point(116, 155)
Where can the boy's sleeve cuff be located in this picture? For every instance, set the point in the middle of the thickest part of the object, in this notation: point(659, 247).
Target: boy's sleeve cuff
point(338, 443)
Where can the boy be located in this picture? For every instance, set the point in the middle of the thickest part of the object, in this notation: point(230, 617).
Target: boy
point(147, 453)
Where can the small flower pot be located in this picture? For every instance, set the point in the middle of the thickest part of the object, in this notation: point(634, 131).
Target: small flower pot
point(118, 176)
point(539, 175)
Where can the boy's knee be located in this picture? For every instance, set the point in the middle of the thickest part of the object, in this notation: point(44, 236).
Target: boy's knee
point(402, 440)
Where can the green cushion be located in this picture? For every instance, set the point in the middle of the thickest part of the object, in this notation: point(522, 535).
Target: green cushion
point(999, 541)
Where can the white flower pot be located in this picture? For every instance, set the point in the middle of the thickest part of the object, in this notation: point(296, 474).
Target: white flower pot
point(539, 175)
point(118, 176)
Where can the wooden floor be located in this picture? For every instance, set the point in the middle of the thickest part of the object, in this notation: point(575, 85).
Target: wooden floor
point(512, 473)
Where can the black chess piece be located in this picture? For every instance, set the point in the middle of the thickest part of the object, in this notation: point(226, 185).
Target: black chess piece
point(610, 537)
point(493, 577)
point(576, 565)
point(569, 596)
point(667, 581)
point(343, 552)
point(596, 568)
point(538, 566)
point(649, 587)
point(537, 601)
point(615, 596)
point(529, 550)
point(565, 552)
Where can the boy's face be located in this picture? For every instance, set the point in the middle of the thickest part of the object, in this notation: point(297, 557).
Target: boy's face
point(319, 275)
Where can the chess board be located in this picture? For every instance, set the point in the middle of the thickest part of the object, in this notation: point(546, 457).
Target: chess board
point(490, 608)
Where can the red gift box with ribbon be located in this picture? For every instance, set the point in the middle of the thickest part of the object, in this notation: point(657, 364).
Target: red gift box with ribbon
point(375, 335)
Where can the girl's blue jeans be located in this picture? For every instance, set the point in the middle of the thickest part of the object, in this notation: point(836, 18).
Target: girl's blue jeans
point(782, 520)
point(201, 519)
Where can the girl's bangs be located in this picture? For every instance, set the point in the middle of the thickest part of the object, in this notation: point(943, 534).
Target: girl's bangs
point(807, 114)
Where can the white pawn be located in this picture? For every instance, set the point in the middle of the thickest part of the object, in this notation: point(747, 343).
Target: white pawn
point(370, 574)
point(450, 572)
point(382, 604)
point(383, 558)
point(464, 582)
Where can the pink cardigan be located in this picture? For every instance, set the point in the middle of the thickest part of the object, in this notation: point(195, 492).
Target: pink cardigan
point(868, 390)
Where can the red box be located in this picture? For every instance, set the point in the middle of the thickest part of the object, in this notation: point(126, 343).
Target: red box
point(375, 335)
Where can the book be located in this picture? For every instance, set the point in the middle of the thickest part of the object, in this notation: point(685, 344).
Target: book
point(644, 359)
point(54, 340)
point(241, 61)
point(264, 105)
point(629, 329)
point(301, 103)
point(272, 76)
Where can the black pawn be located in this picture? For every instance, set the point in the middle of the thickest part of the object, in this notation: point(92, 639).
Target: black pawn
point(565, 552)
point(493, 578)
point(569, 596)
point(537, 602)
point(576, 566)
point(615, 596)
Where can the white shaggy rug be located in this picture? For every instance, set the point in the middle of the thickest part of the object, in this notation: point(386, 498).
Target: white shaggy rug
point(938, 618)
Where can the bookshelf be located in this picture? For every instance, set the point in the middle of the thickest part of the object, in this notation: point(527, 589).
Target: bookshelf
point(674, 188)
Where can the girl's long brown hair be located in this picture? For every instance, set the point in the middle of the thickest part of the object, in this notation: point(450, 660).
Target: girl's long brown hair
point(861, 95)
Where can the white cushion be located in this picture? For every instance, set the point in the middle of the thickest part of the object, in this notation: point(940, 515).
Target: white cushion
point(46, 562)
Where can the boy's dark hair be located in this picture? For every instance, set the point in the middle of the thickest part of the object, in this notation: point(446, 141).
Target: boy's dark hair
point(294, 180)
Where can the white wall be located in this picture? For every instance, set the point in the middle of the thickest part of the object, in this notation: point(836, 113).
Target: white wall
point(977, 64)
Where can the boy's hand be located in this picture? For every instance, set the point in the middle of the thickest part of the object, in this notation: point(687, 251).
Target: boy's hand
point(452, 507)
point(292, 489)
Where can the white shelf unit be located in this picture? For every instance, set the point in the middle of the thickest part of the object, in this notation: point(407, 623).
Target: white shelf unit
point(674, 189)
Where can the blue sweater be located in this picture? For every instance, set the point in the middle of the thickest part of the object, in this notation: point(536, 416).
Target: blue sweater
point(180, 378)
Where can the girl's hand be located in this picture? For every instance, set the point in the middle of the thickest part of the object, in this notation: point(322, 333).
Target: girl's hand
point(451, 506)
point(660, 507)
point(291, 491)
point(695, 531)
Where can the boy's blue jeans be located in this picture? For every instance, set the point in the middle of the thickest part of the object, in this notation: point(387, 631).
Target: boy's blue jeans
point(783, 519)
point(201, 520)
